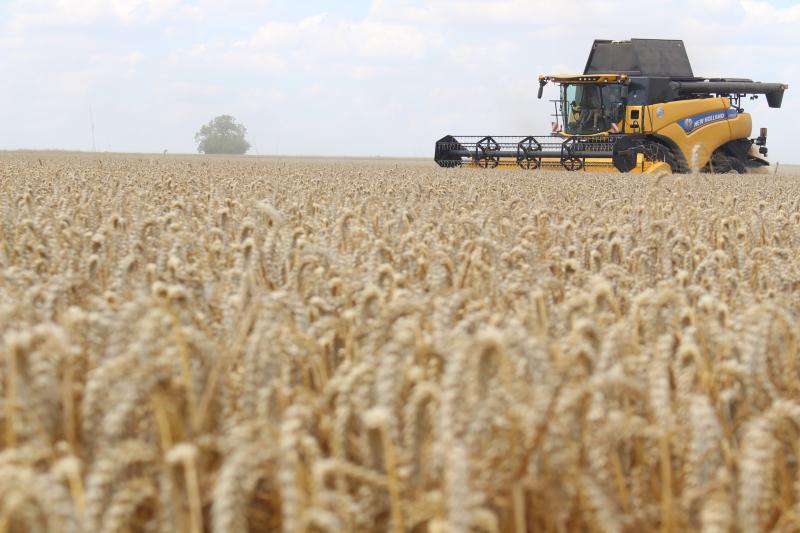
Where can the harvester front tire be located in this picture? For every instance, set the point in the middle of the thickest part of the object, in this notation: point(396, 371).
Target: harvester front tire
point(625, 151)
point(671, 160)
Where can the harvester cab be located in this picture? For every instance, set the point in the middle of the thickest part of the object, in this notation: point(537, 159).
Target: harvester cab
point(637, 107)
point(589, 104)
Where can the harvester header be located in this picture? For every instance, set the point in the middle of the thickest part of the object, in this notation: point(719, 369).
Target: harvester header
point(637, 107)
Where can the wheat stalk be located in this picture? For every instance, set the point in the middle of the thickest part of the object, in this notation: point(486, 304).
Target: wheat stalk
point(254, 345)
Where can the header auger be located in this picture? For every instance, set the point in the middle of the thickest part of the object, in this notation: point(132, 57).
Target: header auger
point(637, 107)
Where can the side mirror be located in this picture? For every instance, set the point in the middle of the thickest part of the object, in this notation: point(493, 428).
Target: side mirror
point(623, 92)
point(542, 83)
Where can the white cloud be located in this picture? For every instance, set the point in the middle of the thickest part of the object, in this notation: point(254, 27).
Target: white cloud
point(274, 34)
point(325, 36)
point(759, 12)
point(538, 13)
point(70, 12)
point(381, 40)
point(75, 83)
point(262, 98)
point(315, 89)
point(239, 54)
point(105, 66)
point(131, 59)
point(198, 11)
point(363, 72)
point(317, 42)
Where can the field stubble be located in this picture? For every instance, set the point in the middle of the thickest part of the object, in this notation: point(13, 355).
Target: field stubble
point(222, 345)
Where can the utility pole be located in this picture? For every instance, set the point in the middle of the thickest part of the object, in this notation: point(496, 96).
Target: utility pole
point(91, 120)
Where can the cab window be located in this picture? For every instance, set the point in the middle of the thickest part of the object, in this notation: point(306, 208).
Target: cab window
point(589, 109)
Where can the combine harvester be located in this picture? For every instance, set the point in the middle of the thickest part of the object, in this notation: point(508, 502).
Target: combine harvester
point(637, 107)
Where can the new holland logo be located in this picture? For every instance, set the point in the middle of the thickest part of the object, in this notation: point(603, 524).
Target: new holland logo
point(690, 124)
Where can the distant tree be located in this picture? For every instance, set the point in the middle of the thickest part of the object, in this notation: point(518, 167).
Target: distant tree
point(223, 135)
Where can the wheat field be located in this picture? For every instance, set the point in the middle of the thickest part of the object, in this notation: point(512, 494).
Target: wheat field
point(252, 344)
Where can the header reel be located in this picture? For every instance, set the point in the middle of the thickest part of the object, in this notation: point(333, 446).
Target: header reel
point(529, 152)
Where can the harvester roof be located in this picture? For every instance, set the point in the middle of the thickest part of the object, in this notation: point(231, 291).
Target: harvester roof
point(658, 70)
point(640, 57)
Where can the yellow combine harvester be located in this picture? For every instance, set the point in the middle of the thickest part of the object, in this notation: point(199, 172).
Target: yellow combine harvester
point(637, 107)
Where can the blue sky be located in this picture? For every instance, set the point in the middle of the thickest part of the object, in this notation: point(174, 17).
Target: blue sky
point(381, 77)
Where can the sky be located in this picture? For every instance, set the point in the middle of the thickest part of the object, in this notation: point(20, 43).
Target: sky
point(362, 78)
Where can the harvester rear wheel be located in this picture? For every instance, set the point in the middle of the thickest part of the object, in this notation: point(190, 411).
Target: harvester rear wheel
point(722, 163)
point(730, 157)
